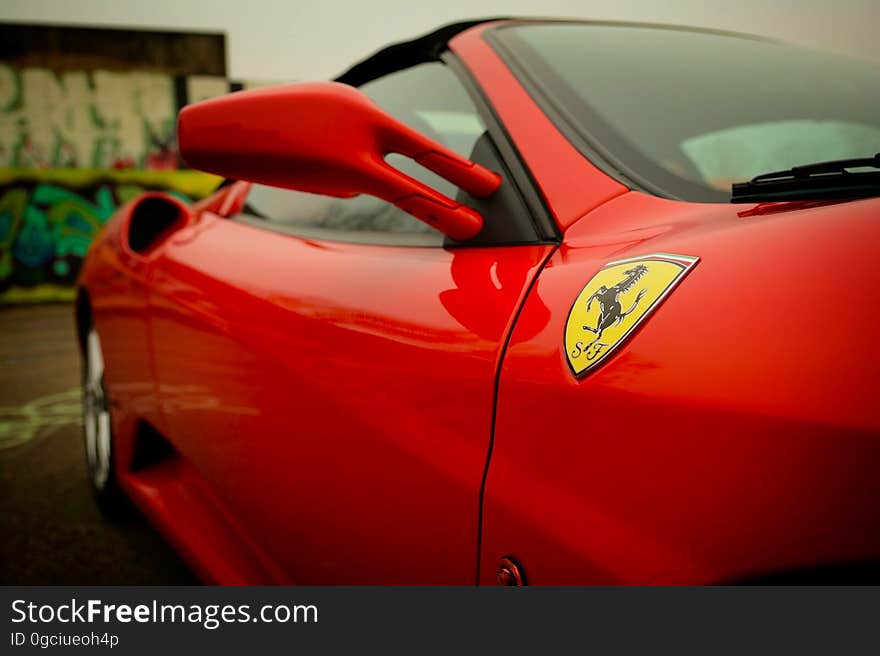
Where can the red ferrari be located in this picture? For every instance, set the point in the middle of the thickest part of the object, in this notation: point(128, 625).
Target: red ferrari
point(518, 301)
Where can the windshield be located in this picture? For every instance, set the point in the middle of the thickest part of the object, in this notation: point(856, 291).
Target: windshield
point(684, 113)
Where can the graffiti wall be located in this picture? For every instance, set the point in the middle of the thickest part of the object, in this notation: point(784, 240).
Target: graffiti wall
point(74, 146)
point(99, 119)
point(96, 119)
point(48, 219)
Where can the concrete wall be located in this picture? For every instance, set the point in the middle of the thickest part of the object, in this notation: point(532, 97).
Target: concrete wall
point(295, 39)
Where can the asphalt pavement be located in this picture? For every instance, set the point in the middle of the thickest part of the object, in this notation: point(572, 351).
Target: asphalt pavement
point(51, 532)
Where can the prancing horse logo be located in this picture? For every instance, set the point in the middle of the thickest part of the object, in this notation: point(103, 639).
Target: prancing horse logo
point(598, 324)
point(609, 301)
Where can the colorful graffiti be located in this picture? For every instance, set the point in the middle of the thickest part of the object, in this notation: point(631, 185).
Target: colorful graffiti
point(48, 218)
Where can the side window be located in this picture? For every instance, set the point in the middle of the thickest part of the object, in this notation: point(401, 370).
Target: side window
point(428, 98)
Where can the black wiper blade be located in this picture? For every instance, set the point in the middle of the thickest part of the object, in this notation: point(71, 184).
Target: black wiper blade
point(831, 179)
point(817, 168)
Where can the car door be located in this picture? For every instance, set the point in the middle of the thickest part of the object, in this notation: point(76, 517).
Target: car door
point(329, 366)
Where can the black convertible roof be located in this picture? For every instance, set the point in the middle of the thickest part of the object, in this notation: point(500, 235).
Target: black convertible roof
point(428, 47)
point(404, 54)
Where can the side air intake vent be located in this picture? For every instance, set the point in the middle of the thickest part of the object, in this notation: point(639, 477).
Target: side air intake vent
point(153, 219)
point(150, 448)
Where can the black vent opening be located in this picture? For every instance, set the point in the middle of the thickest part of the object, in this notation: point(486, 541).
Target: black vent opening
point(150, 448)
point(153, 220)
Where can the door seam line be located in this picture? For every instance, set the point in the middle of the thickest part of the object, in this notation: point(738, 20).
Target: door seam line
point(502, 353)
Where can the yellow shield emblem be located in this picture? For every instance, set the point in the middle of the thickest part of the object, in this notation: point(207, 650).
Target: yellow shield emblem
point(615, 302)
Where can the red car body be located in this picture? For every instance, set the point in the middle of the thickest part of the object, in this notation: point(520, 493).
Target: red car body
point(360, 414)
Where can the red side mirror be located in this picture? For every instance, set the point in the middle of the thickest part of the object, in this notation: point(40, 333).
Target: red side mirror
point(328, 138)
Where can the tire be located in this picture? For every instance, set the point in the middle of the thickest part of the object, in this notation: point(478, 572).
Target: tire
point(98, 431)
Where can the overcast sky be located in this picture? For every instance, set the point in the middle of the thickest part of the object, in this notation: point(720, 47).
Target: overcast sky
point(316, 39)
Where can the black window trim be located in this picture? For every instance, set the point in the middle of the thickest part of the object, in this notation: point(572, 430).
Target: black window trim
point(542, 218)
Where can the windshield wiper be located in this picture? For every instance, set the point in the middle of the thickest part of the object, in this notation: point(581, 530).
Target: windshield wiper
point(832, 179)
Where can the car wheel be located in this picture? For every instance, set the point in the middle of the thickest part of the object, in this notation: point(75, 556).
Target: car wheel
point(98, 430)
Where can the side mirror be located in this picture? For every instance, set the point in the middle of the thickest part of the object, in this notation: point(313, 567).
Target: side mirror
point(331, 139)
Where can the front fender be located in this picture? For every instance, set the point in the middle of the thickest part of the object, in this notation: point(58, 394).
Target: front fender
point(734, 434)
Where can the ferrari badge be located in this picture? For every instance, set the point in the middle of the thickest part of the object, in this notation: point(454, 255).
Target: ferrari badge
point(615, 302)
